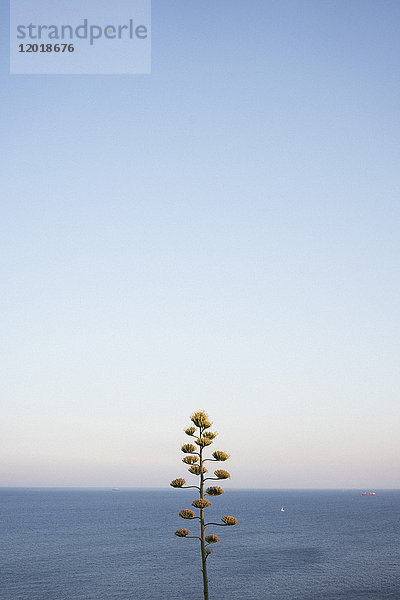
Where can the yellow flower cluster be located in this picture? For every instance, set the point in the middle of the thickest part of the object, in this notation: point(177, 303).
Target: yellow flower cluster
point(212, 539)
point(221, 474)
point(201, 503)
point(215, 491)
point(187, 514)
point(182, 532)
point(211, 435)
point(177, 483)
point(220, 455)
point(203, 441)
point(229, 520)
point(195, 469)
point(200, 419)
point(190, 460)
point(188, 448)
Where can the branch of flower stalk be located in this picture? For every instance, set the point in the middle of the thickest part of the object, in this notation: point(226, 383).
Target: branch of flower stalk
point(218, 524)
point(186, 487)
point(213, 478)
point(193, 537)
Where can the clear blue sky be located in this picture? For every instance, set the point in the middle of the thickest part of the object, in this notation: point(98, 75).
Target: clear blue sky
point(220, 234)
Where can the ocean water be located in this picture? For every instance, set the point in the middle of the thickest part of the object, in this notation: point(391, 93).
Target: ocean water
point(95, 544)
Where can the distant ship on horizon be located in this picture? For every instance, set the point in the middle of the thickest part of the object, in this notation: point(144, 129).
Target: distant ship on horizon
point(368, 494)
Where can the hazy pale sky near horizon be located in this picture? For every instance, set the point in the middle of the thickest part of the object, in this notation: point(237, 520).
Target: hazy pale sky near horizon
point(220, 234)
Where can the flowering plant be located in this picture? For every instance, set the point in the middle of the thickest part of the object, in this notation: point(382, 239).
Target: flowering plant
point(203, 439)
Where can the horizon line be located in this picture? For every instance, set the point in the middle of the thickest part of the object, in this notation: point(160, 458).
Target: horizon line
point(110, 487)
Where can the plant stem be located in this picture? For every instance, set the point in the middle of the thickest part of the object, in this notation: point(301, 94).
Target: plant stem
point(203, 528)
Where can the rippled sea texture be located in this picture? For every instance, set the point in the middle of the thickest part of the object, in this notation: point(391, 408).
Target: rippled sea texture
point(66, 544)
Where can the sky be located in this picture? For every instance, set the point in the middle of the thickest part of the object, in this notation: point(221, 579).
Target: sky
point(221, 234)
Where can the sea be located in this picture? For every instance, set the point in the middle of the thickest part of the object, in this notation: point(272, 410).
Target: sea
point(100, 544)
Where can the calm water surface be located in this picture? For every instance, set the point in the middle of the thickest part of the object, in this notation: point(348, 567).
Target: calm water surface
point(86, 544)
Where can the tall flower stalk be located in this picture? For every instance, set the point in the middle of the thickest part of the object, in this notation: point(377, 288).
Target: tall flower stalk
point(195, 459)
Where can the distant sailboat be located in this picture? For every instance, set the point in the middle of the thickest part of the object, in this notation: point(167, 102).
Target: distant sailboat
point(282, 509)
